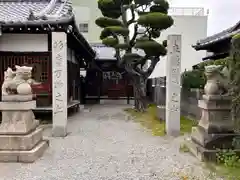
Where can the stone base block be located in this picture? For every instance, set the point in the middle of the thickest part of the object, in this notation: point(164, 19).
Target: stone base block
point(27, 156)
point(21, 142)
point(20, 127)
point(59, 131)
point(17, 106)
point(203, 154)
point(212, 141)
point(17, 98)
point(199, 152)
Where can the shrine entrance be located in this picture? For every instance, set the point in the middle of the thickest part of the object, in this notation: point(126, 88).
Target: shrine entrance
point(105, 80)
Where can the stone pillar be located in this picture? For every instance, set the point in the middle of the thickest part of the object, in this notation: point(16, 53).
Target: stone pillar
point(173, 90)
point(20, 139)
point(59, 84)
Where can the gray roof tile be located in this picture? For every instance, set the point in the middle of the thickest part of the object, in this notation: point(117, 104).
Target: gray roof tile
point(219, 36)
point(36, 12)
point(18, 11)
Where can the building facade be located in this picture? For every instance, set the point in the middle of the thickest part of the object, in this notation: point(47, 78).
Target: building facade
point(87, 12)
point(26, 39)
point(191, 23)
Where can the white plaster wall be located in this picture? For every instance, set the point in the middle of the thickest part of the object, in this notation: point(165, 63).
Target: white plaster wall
point(83, 15)
point(24, 42)
point(191, 28)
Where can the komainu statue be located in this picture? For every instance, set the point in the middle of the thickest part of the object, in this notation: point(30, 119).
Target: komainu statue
point(21, 138)
point(17, 101)
point(217, 80)
point(8, 77)
point(18, 82)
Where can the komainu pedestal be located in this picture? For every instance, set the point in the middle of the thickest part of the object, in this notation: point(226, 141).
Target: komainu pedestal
point(215, 129)
point(21, 139)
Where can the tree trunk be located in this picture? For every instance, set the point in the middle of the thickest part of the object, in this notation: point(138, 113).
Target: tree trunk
point(140, 99)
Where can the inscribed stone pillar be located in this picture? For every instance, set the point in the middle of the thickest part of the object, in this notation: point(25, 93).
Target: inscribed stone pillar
point(59, 84)
point(173, 89)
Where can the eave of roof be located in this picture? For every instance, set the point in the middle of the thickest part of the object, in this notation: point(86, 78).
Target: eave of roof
point(225, 37)
point(216, 56)
point(228, 33)
point(39, 13)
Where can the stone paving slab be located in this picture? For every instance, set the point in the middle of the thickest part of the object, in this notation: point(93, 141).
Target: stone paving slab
point(103, 148)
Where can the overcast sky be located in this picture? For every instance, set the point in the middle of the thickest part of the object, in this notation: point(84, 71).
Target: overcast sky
point(222, 13)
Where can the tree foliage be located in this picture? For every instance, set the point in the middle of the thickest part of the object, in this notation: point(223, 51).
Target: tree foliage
point(151, 16)
point(234, 67)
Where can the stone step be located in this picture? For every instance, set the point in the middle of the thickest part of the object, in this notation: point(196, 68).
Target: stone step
point(21, 142)
point(27, 156)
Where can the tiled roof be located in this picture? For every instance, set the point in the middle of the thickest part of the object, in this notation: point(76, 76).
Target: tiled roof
point(34, 11)
point(219, 36)
point(42, 12)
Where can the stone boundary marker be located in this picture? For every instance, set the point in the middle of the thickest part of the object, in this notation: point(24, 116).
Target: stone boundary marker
point(173, 91)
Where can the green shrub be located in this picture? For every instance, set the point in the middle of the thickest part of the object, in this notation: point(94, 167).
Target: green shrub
point(193, 79)
point(223, 62)
point(196, 77)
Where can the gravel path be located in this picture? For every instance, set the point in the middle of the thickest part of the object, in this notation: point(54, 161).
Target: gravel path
point(105, 145)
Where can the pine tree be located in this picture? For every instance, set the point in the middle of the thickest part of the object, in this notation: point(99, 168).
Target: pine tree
point(150, 15)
